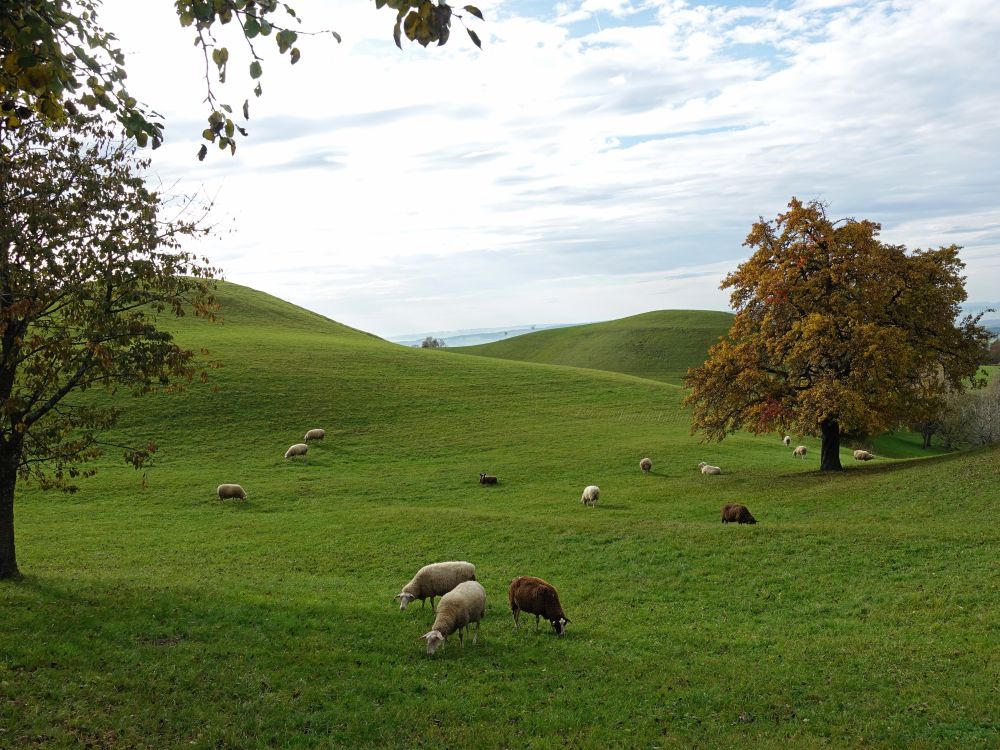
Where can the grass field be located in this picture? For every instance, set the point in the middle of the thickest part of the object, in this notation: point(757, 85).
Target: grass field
point(861, 611)
point(658, 345)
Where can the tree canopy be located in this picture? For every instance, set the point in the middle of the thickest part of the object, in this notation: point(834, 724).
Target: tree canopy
point(836, 332)
point(88, 266)
point(57, 59)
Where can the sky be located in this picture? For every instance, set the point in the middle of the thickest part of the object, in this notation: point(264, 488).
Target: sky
point(594, 160)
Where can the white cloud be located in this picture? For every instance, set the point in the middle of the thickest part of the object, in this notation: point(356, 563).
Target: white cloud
point(562, 159)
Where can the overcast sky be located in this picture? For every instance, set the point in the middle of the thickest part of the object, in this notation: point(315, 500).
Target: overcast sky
point(596, 159)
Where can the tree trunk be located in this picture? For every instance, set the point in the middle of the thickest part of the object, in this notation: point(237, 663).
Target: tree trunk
point(8, 481)
point(830, 450)
point(927, 433)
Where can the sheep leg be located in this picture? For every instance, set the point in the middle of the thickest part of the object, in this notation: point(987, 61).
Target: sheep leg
point(516, 612)
point(475, 638)
point(432, 604)
point(461, 638)
point(536, 623)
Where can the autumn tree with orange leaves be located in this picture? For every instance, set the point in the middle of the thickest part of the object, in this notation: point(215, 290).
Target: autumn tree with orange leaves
point(835, 332)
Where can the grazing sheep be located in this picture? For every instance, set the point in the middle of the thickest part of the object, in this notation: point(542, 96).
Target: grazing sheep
point(536, 597)
point(436, 579)
point(299, 449)
point(860, 455)
point(314, 435)
point(591, 494)
point(463, 605)
point(787, 441)
point(488, 479)
point(709, 469)
point(800, 451)
point(231, 491)
point(645, 464)
point(736, 513)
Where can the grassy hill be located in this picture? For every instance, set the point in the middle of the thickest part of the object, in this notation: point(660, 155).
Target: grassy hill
point(862, 610)
point(659, 345)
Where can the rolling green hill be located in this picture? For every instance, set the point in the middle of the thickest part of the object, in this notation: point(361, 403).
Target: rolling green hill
point(860, 611)
point(660, 345)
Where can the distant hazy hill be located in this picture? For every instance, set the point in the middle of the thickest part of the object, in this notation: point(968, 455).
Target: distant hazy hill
point(473, 336)
point(659, 345)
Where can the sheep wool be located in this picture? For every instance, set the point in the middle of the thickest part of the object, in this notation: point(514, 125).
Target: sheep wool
point(316, 434)
point(645, 464)
point(787, 441)
point(436, 579)
point(800, 451)
point(488, 479)
point(230, 492)
point(299, 449)
point(539, 598)
point(709, 469)
point(461, 607)
point(591, 494)
point(736, 513)
point(860, 455)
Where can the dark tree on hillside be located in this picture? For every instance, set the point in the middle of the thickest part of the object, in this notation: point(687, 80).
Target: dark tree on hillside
point(835, 332)
point(87, 267)
point(431, 343)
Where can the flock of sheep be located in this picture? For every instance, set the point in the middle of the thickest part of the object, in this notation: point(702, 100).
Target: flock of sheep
point(463, 599)
point(236, 492)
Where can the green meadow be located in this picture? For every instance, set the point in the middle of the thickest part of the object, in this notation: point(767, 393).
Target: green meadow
point(863, 610)
point(659, 345)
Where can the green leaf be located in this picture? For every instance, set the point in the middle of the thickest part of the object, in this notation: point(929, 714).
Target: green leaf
point(251, 27)
point(256, 71)
point(208, 134)
point(396, 34)
point(475, 38)
point(474, 11)
point(246, 109)
point(295, 55)
point(202, 152)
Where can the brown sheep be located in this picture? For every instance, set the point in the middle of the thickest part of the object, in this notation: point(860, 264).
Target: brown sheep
point(736, 513)
point(488, 479)
point(538, 598)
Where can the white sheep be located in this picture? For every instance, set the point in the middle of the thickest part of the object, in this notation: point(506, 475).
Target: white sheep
point(708, 468)
point(314, 435)
point(787, 440)
point(459, 608)
point(591, 494)
point(231, 491)
point(800, 451)
point(645, 464)
point(436, 579)
point(299, 449)
point(860, 455)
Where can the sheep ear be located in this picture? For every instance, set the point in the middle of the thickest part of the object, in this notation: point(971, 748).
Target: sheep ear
point(424, 636)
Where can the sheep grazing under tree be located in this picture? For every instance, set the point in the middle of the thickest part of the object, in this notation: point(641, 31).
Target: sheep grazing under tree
point(536, 597)
point(299, 449)
point(787, 440)
point(231, 492)
point(860, 455)
point(461, 607)
point(645, 464)
point(800, 451)
point(736, 513)
point(316, 434)
point(436, 579)
point(488, 479)
point(591, 494)
point(709, 469)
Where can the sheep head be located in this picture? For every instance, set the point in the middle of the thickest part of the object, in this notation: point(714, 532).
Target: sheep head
point(434, 639)
point(404, 599)
point(560, 625)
